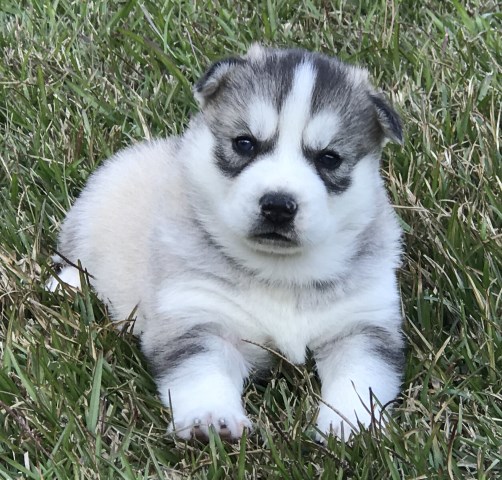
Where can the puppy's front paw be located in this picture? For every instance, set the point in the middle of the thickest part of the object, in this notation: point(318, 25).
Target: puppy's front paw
point(226, 422)
point(330, 422)
point(203, 402)
point(68, 275)
point(344, 415)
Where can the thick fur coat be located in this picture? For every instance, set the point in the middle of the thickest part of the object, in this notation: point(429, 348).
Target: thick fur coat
point(266, 221)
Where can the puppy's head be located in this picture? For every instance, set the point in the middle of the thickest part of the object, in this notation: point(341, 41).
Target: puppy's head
point(284, 157)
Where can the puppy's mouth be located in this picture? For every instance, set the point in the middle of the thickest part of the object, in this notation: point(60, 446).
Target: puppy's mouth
point(274, 241)
point(273, 237)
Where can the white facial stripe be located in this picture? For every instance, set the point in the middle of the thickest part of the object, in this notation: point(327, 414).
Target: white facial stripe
point(263, 119)
point(321, 130)
point(296, 108)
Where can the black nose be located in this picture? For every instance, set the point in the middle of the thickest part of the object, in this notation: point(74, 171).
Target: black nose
point(279, 208)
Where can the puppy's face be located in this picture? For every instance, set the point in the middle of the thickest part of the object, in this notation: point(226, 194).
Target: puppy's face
point(294, 141)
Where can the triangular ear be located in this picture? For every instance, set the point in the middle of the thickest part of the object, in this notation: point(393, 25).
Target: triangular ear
point(388, 118)
point(211, 80)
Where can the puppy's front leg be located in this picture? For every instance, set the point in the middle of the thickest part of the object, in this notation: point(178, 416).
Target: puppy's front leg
point(365, 361)
point(200, 375)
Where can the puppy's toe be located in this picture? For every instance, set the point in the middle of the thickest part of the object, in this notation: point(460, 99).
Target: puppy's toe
point(229, 427)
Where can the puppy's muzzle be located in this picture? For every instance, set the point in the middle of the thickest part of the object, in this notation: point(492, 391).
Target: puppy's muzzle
point(275, 230)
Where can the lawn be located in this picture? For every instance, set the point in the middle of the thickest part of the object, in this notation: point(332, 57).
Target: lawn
point(79, 80)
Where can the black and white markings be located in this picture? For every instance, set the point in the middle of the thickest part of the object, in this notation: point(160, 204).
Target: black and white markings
point(261, 97)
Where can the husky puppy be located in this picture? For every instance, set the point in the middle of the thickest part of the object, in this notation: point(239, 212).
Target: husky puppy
point(266, 221)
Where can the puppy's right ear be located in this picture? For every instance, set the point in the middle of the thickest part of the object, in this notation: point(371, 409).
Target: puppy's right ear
point(211, 81)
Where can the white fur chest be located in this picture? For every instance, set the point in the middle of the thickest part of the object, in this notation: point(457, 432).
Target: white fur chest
point(278, 321)
point(267, 315)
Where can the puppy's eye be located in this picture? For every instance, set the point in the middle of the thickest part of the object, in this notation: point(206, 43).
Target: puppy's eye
point(244, 145)
point(329, 159)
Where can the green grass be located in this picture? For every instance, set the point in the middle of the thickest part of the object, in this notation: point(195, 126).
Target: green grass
point(79, 80)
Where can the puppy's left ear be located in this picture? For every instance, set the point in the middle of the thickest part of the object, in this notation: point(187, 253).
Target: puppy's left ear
point(388, 118)
point(212, 80)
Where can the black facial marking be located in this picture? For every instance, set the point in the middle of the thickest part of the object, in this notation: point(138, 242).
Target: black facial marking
point(330, 83)
point(280, 69)
point(337, 186)
point(327, 162)
point(225, 164)
point(234, 155)
point(365, 116)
